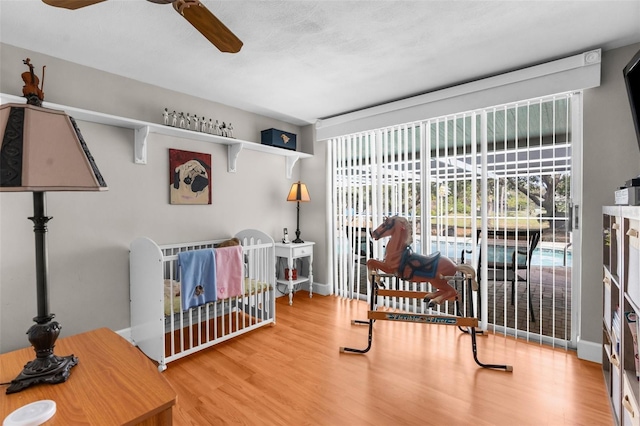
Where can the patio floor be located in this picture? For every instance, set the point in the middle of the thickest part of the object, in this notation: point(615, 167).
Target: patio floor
point(551, 299)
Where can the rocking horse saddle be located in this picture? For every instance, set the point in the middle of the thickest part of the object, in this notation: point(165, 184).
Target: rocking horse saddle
point(412, 264)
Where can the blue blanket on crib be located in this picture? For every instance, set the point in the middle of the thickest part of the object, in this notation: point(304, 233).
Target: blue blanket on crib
point(197, 277)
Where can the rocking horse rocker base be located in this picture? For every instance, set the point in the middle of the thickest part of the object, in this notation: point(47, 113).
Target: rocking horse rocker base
point(471, 322)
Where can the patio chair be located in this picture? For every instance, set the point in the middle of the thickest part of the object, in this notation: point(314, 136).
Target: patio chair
point(509, 256)
point(363, 250)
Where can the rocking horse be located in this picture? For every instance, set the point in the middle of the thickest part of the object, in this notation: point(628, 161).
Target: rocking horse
point(402, 262)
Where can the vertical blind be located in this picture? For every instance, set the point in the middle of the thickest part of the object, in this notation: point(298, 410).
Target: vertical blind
point(455, 178)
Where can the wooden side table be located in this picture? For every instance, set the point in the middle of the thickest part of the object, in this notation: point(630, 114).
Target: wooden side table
point(113, 384)
point(292, 252)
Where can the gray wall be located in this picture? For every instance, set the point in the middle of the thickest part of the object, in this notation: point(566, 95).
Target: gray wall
point(610, 157)
point(90, 233)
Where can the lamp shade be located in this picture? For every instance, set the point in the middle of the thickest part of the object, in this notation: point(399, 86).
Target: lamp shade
point(298, 192)
point(43, 150)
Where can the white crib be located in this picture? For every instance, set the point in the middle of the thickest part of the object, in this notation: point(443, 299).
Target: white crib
point(163, 331)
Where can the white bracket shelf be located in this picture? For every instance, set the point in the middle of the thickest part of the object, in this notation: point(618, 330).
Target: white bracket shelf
point(142, 130)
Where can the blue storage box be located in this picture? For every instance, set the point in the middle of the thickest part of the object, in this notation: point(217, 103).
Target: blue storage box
point(279, 138)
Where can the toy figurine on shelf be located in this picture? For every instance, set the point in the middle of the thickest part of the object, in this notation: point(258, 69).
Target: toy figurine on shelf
point(30, 90)
point(180, 120)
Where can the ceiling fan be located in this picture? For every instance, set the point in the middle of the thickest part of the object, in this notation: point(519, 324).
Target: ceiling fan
point(192, 10)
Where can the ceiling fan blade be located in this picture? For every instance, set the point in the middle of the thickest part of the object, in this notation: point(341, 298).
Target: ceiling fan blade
point(208, 25)
point(71, 4)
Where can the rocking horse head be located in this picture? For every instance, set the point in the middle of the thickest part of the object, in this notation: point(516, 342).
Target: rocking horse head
point(400, 260)
point(394, 226)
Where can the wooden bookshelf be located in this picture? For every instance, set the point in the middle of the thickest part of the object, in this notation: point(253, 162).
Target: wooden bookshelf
point(621, 307)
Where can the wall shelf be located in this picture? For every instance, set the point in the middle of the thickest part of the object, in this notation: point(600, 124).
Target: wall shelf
point(142, 130)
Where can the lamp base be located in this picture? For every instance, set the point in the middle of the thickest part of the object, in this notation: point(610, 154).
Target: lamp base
point(47, 367)
point(297, 241)
point(54, 369)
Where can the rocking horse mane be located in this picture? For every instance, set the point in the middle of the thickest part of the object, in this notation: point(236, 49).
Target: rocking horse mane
point(407, 229)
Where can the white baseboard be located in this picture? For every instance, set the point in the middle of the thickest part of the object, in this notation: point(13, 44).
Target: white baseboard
point(590, 351)
point(321, 289)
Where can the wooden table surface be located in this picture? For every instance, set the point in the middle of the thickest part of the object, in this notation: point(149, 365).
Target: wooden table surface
point(113, 384)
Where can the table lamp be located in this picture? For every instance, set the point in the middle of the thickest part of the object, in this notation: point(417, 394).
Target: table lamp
point(43, 150)
point(298, 193)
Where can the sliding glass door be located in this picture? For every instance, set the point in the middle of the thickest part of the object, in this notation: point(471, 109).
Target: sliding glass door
point(502, 172)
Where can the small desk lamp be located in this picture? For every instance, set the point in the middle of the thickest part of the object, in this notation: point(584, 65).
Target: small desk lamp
point(298, 193)
point(42, 150)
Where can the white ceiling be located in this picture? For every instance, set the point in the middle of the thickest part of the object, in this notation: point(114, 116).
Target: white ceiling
point(305, 60)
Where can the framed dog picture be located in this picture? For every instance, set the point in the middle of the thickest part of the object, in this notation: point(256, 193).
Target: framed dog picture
point(189, 177)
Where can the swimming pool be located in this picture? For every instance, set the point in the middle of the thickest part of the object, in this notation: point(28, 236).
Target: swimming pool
point(541, 256)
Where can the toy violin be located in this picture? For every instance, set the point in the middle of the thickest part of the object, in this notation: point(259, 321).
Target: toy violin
point(30, 90)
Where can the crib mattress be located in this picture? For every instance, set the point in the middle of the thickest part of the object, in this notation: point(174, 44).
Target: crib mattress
point(250, 287)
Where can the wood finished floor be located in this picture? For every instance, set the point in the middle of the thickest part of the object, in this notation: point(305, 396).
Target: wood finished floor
point(292, 373)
